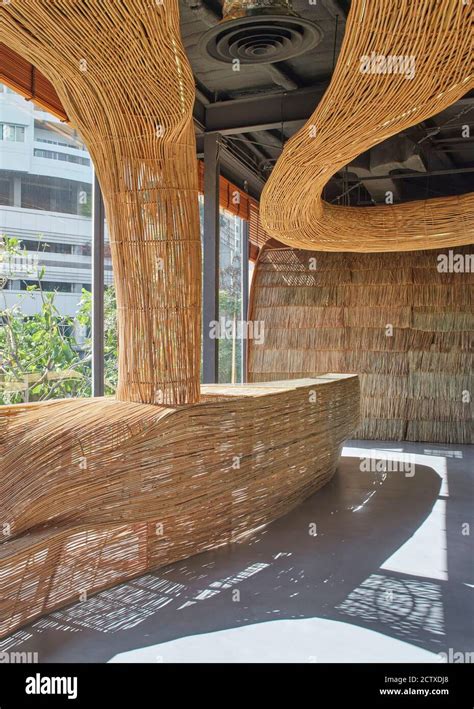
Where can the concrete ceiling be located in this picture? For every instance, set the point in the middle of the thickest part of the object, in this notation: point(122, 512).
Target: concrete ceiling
point(257, 108)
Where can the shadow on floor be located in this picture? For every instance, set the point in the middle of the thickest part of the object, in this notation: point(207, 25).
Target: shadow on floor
point(323, 560)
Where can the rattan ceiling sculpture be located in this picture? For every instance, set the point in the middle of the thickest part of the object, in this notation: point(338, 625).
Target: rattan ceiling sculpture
point(401, 62)
point(93, 492)
point(131, 98)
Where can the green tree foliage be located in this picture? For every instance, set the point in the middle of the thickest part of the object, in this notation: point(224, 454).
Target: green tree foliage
point(230, 305)
point(49, 355)
point(110, 338)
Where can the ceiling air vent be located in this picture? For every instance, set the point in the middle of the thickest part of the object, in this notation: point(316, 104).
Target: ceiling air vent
point(259, 32)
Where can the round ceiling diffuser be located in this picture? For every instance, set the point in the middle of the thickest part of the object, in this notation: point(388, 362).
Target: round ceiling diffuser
point(259, 32)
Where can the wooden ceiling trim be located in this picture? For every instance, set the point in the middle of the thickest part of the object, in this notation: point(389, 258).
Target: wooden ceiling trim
point(21, 76)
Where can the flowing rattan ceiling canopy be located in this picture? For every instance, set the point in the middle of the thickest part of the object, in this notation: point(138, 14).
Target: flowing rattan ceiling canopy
point(401, 62)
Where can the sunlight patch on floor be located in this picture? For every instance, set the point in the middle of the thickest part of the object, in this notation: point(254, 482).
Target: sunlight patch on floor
point(425, 553)
point(309, 640)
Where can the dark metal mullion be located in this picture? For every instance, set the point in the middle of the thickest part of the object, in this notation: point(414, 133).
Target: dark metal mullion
point(98, 227)
point(210, 296)
point(245, 294)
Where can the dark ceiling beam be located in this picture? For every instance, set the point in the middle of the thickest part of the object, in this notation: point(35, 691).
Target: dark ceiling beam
point(269, 140)
point(250, 158)
point(263, 112)
point(262, 154)
point(412, 175)
point(280, 76)
point(199, 112)
point(453, 141)
point(237, 172)
point(234, 169)
point(270, 145)
point(433, 157)
point(268, 111)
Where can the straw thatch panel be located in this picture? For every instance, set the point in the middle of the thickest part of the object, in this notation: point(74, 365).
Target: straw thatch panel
point(95, 492)
point(331, 312)
point(401, 62)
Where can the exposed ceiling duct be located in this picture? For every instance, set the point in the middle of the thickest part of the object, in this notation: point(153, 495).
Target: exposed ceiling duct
point(260, 32)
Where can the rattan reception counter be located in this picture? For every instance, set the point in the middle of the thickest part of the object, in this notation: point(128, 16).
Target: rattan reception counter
point(108, 490)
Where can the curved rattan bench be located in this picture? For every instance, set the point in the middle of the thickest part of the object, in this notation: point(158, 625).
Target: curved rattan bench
point(97, 491)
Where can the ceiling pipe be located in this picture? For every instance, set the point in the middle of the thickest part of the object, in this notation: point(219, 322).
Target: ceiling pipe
point(334, 8)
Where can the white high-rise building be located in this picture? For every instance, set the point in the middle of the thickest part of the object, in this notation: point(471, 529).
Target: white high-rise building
point(45, 202)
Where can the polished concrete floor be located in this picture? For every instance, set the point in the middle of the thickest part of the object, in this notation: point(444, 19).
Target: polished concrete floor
point(376, 567)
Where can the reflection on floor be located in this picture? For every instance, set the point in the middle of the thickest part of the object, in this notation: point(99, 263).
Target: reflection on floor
point(375, 567)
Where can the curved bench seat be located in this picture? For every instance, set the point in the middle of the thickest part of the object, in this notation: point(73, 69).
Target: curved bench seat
point(96, 491)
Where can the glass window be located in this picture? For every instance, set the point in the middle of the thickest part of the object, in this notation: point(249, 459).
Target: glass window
point(57, 194)
point(12, 133)
point(6, 189)
point(52, 286)
point(45, 258)
point(30, 245)
point(110, 320)
point(64, 157)
point(231, 342)
point(230, 298)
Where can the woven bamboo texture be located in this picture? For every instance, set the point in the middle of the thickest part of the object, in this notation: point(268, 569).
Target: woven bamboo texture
point(93, 492)
point(94, 495)
point(416, 383)
point(124, 80)
point(360, 110)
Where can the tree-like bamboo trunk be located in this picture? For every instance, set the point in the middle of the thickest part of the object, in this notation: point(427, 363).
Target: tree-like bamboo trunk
point(126, 84)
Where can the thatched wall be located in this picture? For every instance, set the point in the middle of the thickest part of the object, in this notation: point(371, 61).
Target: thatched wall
point(330, 312)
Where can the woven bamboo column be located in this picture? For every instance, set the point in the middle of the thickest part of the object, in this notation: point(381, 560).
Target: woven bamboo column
point(125, 82)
